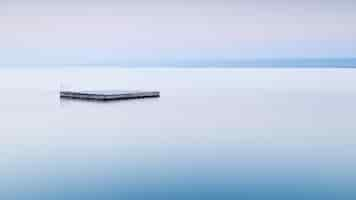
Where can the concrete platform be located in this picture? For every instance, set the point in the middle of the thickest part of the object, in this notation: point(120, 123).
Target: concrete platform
point(108, 95)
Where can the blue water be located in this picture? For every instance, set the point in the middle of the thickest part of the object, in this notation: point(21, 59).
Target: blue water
point(212, 63)
point(213, 134)
point(265, 63)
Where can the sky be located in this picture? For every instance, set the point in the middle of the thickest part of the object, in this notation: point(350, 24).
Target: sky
point(138, 31)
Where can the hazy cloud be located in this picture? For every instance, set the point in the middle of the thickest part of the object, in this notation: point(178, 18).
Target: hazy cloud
point(165, 29)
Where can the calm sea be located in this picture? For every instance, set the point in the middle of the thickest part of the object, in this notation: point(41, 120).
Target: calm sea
point(225, 133)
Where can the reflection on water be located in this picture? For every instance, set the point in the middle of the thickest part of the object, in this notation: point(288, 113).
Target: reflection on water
point(213, 134)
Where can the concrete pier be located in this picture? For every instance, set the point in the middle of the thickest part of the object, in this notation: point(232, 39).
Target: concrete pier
point(108, 95)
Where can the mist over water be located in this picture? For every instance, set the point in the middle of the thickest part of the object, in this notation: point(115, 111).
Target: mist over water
point(213, 134)
point(237, 118)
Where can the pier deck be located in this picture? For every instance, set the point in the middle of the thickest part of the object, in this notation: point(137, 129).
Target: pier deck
point(108, 95)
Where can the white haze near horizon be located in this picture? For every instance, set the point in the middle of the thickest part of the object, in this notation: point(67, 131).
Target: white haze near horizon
point(128, 31)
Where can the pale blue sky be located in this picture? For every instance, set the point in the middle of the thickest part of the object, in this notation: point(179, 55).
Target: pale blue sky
point(84, 31)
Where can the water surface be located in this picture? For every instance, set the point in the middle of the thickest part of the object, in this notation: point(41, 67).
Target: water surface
point(213, 134)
